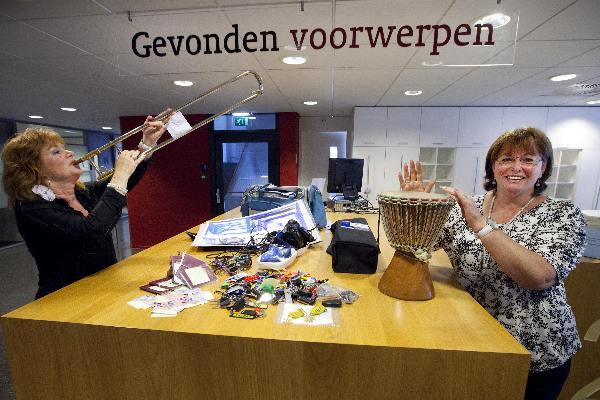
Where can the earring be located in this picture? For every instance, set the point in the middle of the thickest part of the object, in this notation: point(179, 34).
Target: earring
point(538, 183)
point(494, 182)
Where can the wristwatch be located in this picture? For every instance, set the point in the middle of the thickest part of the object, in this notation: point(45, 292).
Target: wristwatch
point(489, 227)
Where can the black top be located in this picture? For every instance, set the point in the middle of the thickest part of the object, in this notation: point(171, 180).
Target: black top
point(66, 245)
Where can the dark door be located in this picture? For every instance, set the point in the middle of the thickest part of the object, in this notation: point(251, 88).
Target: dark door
point(240, 160)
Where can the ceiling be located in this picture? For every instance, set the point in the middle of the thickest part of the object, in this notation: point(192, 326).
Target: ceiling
point(78, 53)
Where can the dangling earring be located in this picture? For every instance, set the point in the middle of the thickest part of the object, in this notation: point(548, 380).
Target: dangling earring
point(538, 183)
point(494, 182)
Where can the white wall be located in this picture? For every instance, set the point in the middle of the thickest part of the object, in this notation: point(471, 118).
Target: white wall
point(567, 127)
point(316, 135)
point(579, 128)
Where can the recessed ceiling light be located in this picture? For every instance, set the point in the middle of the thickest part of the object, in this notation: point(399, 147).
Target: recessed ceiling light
point(413, 92)
point(311, 103)
point(240, 114)
point(566, 77)
point(183, 83)
point(251, 117)
point(497, 20)
point(68, 109)
point(106, 128)
point(36, 116)
point(292, 60)
point(594, 102)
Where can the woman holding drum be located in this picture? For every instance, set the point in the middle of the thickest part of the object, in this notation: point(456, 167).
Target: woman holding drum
point(512, 249)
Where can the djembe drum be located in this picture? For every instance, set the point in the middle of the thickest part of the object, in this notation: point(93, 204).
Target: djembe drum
point(412, 222)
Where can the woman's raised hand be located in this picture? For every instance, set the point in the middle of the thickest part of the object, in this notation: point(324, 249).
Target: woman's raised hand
point(126, 163)
point(155, 129)
point(469, 210)
point(411, 178)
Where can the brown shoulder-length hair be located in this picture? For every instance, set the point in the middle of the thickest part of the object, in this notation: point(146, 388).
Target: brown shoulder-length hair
point(529, 139)
point(21, 158)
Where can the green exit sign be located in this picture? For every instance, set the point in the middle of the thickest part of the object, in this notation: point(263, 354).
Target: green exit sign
point(241, 121)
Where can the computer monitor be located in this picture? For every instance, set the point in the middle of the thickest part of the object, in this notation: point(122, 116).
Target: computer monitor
point(345, 176)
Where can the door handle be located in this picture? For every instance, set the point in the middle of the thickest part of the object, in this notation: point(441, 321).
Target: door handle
point(218, 195)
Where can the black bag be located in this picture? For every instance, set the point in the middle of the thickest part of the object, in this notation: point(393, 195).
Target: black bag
point(353, 248)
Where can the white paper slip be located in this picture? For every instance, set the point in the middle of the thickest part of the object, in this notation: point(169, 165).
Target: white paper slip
point(154, 315)
point(176, 277)
point(196, 276)
point(178, 125)
point(143, 302)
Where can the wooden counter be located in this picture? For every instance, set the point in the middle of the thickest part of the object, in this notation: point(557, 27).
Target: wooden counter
point(85, 342)
point(583, 294)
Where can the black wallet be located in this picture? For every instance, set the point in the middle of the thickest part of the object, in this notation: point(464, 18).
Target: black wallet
point(353, 248)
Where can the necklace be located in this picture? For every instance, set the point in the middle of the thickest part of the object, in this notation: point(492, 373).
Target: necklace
point(489, 216)
point(485, 258)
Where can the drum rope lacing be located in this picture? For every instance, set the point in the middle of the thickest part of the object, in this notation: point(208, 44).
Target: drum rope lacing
point(400, 221)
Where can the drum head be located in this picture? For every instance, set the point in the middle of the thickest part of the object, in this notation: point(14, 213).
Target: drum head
point(391, 196)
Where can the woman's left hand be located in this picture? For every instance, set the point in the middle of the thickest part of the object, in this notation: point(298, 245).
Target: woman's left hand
point(154, 130)
point(470, 212)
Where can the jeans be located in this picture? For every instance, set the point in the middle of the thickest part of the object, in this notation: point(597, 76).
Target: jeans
point(546, 385)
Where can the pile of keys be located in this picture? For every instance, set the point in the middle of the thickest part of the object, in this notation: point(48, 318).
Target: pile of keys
point(231, 264)
point(248, 296)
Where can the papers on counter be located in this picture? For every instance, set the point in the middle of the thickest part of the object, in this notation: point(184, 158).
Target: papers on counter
point(169, 304)
point(238, 231)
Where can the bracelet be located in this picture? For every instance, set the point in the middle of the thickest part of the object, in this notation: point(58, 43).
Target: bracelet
point(143, 146)
point(117, 188)
point(486, 230)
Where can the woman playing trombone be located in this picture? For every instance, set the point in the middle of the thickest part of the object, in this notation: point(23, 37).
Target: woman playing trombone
point(66, 224)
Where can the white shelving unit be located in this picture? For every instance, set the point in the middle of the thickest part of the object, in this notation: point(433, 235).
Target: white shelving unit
point(438, 164)
point(561, 184)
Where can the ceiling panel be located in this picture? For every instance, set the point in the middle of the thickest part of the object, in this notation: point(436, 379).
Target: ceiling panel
point(428, 80)
point(80, 52)
point(546, 53)
point(460, 94)
point(530, 13)
point(502, 76)
point(389, 12)
point(31, 9)
point(366, 57)
point(362, 87)
point(590, 58)
point(95, 34)
point(7, 56)
point(131, 64)
point(254, 3)
point(418, 77)
point(122, 6)
point(460, 56)
point(545, 101)
point(577, 22)
point(20, 40)
point(196, 23)
point(283, 18)
point(303, 84)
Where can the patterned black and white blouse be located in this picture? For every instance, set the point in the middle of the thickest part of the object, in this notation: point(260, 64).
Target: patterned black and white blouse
point(541, 320)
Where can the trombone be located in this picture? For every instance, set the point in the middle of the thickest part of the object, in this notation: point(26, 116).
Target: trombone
point(104, 174)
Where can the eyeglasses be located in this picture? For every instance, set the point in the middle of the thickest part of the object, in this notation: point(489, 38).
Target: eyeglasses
point(526, 160)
